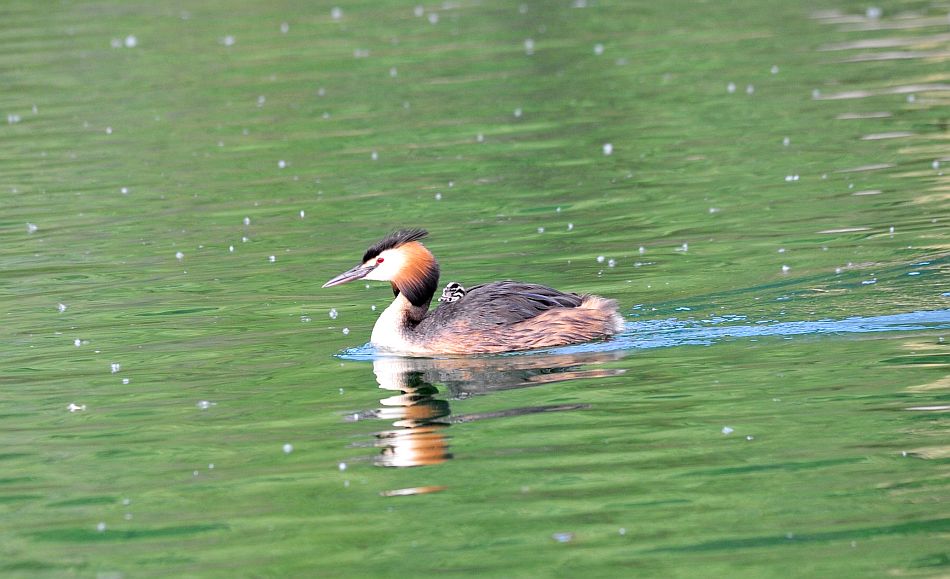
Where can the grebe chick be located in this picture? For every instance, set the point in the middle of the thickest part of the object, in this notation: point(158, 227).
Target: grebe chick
point(452, 292)
point(501, 316)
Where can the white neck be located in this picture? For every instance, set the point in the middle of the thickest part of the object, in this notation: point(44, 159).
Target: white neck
point(392, 331)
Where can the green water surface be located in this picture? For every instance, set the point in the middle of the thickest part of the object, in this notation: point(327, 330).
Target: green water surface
point(178, 179)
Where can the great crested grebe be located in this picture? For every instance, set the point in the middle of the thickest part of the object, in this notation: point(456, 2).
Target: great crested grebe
point(501, 316)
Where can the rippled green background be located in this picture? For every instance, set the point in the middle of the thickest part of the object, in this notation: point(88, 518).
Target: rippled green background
point(810, 135)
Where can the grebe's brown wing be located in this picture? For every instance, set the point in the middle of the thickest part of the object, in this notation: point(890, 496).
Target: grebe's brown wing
point(502, 303)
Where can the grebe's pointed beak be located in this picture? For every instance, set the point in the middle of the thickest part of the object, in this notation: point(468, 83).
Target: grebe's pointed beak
point(358, 272)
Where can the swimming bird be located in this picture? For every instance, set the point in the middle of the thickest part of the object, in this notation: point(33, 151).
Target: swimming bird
point(495, 317)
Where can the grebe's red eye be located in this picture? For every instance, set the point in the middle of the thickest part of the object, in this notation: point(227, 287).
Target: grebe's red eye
point(379, 260)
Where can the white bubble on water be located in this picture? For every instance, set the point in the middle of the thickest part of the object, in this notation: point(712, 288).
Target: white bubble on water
point(247, 221)
point(731, 87)
point(528, 46)
point(785, 269)
point(228, 40)
point(131, 41)
point(749, 89)
point(433, 17)
point(116, 43)
point(570, 227)
point(179, 255)
point(77, 342)
point(302, 214)
point(288, 448)
point(272, 258)
point(333, 313)
point(642, 250)
point(284, 28)
point(374, 156)
point(31, 228)
point(108, 130)
point(101, 527)
point(727, 430)
point(125, 380)
point(598, 49)
point(341, 466)
point(418, 11)
point(438, 197)
point(786, 141)
point(540, 230)
point(282, 164)
point(306, 319)
point(393, 72)
point(115, 367)
point(230, 249)
point(372, 308)
point(336, 13)
point(608, 149)
point(61, 307)
point(518, 112)
point(346, 331)
point(774, 69)
point(873, 12)
point(480, 138)
point(73, 407)
point(611, 262)
point(600, 259)
point(205, 404)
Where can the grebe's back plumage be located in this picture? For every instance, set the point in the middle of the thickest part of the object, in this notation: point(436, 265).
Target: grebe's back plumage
point(495, 317)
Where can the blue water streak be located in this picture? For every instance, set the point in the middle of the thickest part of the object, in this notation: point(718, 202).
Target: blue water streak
point(670, 332)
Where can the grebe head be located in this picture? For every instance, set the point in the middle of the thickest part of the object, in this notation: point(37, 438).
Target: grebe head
point(398, 258)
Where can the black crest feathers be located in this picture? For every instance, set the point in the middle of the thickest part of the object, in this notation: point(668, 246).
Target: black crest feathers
point(394, 239)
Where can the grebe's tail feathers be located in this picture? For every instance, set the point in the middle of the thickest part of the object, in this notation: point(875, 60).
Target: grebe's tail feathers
point(606, 308)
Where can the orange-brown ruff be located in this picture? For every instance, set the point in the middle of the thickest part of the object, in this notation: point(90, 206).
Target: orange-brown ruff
point(495, 317)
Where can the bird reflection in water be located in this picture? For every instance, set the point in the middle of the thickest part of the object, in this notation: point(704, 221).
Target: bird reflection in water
point(420, 419)
point(417, 414)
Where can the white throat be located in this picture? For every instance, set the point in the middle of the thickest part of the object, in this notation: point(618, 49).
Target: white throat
point(391, 332)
